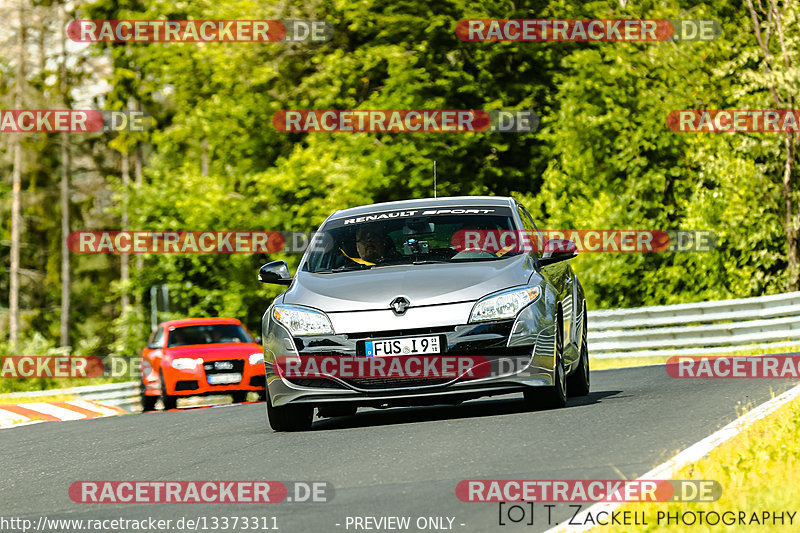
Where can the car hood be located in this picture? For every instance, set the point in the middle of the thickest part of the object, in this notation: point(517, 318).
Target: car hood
point(214, 351)
point(432, 284)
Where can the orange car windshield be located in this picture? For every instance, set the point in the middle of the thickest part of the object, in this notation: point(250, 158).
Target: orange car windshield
point(208, 334)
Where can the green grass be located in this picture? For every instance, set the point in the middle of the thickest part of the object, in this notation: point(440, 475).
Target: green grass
point(28, 399)
point(758, 470)
point(625, 362)
point(38, 384)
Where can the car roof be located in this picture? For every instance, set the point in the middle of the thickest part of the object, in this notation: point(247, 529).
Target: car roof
point(199, 321)
point(420, 203)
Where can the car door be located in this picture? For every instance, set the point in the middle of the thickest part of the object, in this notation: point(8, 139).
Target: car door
point(562, 278)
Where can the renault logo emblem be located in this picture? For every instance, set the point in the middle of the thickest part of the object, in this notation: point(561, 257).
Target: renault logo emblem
point(399, 305)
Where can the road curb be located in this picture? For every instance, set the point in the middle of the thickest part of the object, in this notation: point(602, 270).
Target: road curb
point(14, 415)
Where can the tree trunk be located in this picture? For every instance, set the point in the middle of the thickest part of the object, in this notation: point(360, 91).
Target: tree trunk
point(137, 176)
point(124, 274)
point(793, 265)
point(65, 170)
point(16, 187)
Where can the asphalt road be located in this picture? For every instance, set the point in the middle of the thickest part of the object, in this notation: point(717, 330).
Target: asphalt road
point(396, 462)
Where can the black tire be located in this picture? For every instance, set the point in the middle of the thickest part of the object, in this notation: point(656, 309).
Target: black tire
point(148, 402)
point(578, 382)
point(170, 402)
point(330, 411)
point(239, 396)
point(289, 417)
point(555, 396)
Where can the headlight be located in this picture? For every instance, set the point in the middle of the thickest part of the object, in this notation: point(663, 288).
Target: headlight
point(504, 304)
point(256, 358)
point(185, 363)
point(302, 320)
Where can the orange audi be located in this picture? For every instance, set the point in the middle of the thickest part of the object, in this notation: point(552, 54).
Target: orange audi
point(198, 357)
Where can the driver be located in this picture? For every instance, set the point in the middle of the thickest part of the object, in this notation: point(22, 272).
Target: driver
point(371, 245)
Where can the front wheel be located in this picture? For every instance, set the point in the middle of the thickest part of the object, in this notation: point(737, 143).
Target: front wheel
point(578, 382)
point(555, 396)
point(148, 402)
point(170, 402)
point(289, 417)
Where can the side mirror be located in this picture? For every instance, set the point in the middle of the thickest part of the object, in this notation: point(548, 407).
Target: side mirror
point(557, 250)
point(276, 272)
point(258, 339)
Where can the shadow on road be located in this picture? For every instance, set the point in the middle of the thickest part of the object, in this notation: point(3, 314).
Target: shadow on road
point(508, 405)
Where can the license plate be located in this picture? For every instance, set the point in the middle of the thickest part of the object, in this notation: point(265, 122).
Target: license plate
point(406, 346)
point(219, 379)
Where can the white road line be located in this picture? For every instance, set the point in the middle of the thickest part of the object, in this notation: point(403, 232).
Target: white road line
point(52, 410)
point(691, 454)
point(626, 367)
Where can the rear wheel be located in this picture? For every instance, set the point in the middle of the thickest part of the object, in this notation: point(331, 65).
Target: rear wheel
point(554, 396)
point(169, 401)
point(289, 417)
point(578, 382)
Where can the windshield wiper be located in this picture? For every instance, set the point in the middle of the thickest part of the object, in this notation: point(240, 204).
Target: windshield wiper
point(347, 268)
point(479, 259)
point(429, 262)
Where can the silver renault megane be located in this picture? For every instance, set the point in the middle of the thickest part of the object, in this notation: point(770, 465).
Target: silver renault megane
point(432, 279)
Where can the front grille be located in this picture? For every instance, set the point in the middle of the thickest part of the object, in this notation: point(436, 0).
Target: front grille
point(395, 383)
point(400, 332)
point(224, 367)
point(319, 383)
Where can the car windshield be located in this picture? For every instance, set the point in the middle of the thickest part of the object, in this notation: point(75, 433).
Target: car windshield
point(406, 237)
point(208, 334)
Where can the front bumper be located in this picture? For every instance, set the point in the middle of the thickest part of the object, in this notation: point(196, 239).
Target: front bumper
point(196, 382)
point(529, 341)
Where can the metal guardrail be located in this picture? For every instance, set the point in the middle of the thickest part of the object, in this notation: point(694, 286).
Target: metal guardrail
point(684, 329)
point(124, 395)
point(695, 329)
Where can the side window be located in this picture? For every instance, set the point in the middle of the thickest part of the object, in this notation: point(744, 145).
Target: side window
point(537, 239)
point(156, 339)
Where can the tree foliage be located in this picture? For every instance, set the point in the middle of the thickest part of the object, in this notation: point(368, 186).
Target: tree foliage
point(602, 158)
